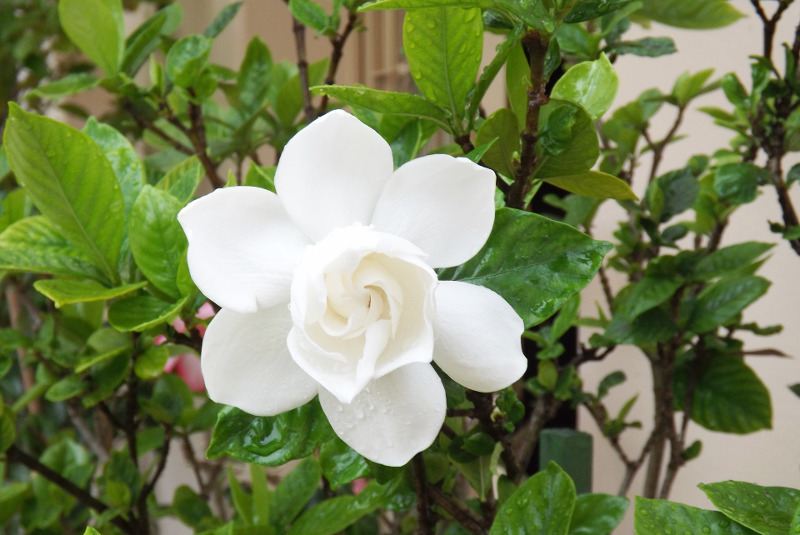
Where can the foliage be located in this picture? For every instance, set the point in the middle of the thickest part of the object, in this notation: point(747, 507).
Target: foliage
point(98, 296)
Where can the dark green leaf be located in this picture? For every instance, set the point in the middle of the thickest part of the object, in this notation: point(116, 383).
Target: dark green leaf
point(33, 244)
point(270, 441)
point(660, 517)
point(738, 183)
point(653, 326)
point(502, 127)
point(722, 301)
point(490, 72)
point(141, 312)
point(568, 141)
point(190, 507)
point(310, 14)
point(766, 510)
point(64, 291)
point(404, 104)
point(646, 294)
point(187, 58)
point(335, 514)
point(143, 42)
point(650, 47)
point(96, 27)
point(159, 241)
point(535, 263)
point(443, 46)
point(672, 193)
point(254, 77)
point(222, 19)
point(8, 432)
point(295, 490)
point(730, 259)
point(289, 100)
point(729, 397)
point(71, 182)
point(541, 506)
point(594, 184)
point(597, 514)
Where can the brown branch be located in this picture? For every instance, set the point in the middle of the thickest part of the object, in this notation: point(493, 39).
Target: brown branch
point(145, 124)
point(337, 43)
point(469, 520)
point(16, 455)
point(13, 298)
point(197, 135)
point(526, 438)
point(423, 507)
point(302, 67)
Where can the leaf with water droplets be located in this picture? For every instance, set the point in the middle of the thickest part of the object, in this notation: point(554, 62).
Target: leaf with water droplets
point(766, 510)
point(660, 517)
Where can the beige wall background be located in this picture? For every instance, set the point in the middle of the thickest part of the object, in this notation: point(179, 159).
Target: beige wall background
point(768, 457)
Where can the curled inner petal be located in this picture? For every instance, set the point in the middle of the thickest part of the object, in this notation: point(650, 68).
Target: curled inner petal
point(362, 306)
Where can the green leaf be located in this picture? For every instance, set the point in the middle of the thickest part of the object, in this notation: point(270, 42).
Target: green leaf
point(289, 100)
point(260, 177)
point(122, 157)
point(541, 506)
point(254, 77)
point(692, 14)
point(33, 244)
point(64, 291)
point(591, 84)
point(295, 490)
point(66, 86)
point(310, 14)
point(270, 441)
point(490, 72)
point(518, 80)
point(341, 464)
point(443, 46)
point(672, 193)
point(419, 4)
point(722, 301)
point(96, 27)
point(568, 142)
point(591, 9)
point(766, 510)
point(646, 294)
point(738, 183)
point(159, 241)
point(729, 397)
point(653, 326)
point(141, 312)
point(142, 42)
point(689, 86)
point(71, 182)
point(594, 184)
point(335, 514)
point(222, 19)
point(389, 102)
point(597, 514)
point(535, 263)
point(730, 259)
point(8, 431)
point(150, 364)
point(182, 180)
point(649, 47)
point(187, 58)
point(502, 127)
point(91, 531)
point(190, 507)
point(660, 517)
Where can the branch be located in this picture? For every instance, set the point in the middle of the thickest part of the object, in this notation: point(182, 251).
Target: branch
point(461, 514)
point(423, 508)
point(15, 455)
point(337, 42)
point(197, 135)
point(302, 67)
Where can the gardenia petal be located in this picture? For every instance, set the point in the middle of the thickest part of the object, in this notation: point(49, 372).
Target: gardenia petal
point(394, 417)
point(243, 247)
point(331, 173)
point(246, 363)
point(441, 204)
point(477, 337)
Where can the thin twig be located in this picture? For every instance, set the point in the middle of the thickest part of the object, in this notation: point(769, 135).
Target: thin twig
point(337, 43)
point(469, 520)
point(423, 508)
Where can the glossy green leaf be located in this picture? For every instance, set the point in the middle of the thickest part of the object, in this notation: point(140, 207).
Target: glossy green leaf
point(738, 183)
point(270, 441)
point(729, 397)
point(653, 326)
point(150, 364)
point(182, 180)
point(121, 155)
point(649, 47)
point(672, 193)
point(692, 14)
point(404, 104)
point(159, 241)
point(289, 100)
point(646, 294)
point(490, 72)
point(443, 46)
point(535, 263)
point(568, 142)
point(142, 42)
point(223, 18)
point(141, 312)
point(795, 521)
point(341, 464)
point(730, 259)
point(765, 510)
point(335, 514)
point(541, 506)
point(591, 9)
point(71, 182)
point(518, 80)
point(68, 387)
point(65, 291)
point(591, 84)
point(254, 76)
point(419, 4)
point(33, 244)
point(71, 84)
point(187, 58)
point(190, 507)
point(594, 184)
point(660, 517)
point(96, 27)
point(295, 490)
point(722, 301)
point(500, 126)
point(310, 14)
point(597, 514)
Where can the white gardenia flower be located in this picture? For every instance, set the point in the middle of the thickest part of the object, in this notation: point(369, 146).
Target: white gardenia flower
point(328, 289)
